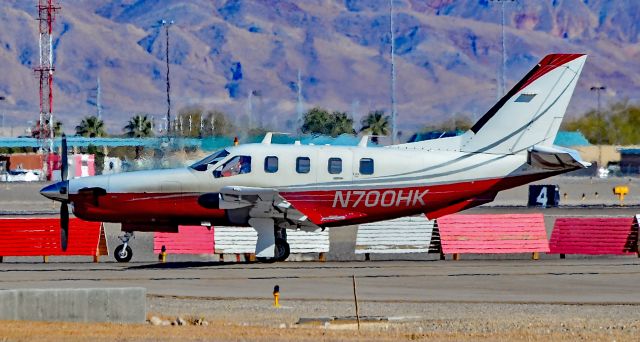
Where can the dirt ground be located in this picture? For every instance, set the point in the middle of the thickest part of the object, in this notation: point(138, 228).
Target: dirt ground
point(225, 331)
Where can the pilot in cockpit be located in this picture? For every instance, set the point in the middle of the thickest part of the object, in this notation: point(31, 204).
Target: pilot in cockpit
point(236, 166)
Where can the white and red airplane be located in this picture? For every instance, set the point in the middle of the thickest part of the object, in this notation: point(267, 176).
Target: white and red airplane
point(273, 187)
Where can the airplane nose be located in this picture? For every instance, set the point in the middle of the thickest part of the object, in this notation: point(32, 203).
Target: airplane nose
point(57, 191)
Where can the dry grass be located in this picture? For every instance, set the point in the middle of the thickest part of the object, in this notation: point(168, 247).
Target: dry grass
point(224, 331)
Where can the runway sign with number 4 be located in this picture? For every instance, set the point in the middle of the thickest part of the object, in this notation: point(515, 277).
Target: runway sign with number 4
point(545, 196)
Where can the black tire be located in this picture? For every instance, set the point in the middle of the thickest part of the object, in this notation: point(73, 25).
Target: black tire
point(281, 253)
point(282, 250)
point(126, 256)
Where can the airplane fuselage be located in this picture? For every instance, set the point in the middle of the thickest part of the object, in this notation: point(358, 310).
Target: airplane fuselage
point(333, 185)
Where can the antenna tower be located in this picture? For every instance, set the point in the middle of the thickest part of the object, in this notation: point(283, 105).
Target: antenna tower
point(46, 15)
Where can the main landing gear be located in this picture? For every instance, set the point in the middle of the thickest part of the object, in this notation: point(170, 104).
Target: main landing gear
point(282, 249)
point(272, 243)
point(123, 253)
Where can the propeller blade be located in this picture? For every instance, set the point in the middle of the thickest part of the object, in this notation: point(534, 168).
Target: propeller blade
point(64, 226)
point(65, 164)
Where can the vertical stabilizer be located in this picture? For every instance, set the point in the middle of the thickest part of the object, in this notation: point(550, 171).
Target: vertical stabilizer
point(530, 113)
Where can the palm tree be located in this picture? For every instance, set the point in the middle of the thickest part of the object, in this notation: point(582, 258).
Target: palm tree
point(91, 127)
point(341, 124)
point(138, 126)
point(376, 123)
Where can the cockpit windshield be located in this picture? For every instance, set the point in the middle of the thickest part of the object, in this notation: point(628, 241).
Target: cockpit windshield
point(210, 160)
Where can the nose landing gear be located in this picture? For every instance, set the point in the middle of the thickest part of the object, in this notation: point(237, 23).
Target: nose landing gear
point(124, 253)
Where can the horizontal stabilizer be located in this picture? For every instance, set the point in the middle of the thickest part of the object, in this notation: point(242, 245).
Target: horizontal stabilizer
point(555, 158)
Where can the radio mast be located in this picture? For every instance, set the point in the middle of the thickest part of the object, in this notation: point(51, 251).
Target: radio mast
point(44, 70)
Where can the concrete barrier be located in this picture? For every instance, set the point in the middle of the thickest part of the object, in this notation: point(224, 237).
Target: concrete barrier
point(122, 305)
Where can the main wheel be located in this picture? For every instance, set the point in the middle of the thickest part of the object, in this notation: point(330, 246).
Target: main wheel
point(123, 254)
point(282, 252)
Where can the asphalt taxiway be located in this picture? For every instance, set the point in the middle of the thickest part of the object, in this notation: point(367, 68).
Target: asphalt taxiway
point(610, 280)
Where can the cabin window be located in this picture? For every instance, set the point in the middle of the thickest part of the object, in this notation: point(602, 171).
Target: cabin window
point(237, 165)
point(303, 165)
point(366, 166)
point(271, 164)
point(335, 166)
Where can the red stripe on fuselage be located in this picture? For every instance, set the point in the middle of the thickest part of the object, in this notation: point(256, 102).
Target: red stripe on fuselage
point(345, 207)
point(145, 207)
point(324, 208)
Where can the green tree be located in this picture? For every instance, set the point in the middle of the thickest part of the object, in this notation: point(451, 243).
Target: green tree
point(592, 125)
point(375, 123)
point(91, 127)
point(191, 119)
point(459, 122)
point(217, 124)
point(138, 126)
point(617, 124)
point(317, 120)
point(626, 123)
point(320, 121)
point(99, 157)
point(341, 124)
point(57, 129)
point(203, 124)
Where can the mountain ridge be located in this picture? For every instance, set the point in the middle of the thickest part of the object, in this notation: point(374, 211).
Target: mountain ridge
point(448, 56)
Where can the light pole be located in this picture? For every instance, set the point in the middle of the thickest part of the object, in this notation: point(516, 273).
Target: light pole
point(2, 98)
point(166, 25)
point(599, 89)
point(394, 111)
point(503, 64)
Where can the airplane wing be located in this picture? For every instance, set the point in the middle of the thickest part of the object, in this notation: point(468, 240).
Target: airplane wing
point(555, 158)
point(264, 203)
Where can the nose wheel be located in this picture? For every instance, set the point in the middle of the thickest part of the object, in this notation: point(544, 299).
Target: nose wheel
point(124, 253)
